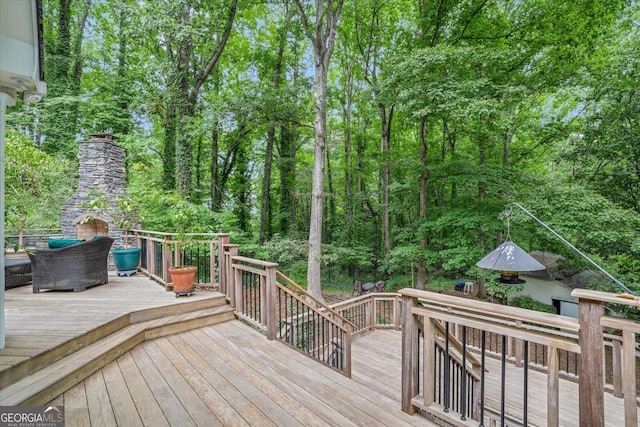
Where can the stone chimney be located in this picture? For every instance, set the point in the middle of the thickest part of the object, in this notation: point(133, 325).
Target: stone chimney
point(102, 170)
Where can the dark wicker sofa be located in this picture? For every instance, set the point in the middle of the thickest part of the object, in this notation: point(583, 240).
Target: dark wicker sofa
point(75, 267)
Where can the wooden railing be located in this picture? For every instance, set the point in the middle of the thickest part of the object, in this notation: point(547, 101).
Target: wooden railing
point(160, 251)
point(272, 302)
point(513, 335)
point(371, 311)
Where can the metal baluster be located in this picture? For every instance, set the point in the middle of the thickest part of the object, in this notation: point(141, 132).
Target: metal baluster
point(503, 380)
point(446, 368)
point(437, 379)
point(483, 344)
point(525, 404)
point(463, 391)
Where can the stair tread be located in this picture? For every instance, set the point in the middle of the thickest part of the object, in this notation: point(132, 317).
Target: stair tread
point(128, 336)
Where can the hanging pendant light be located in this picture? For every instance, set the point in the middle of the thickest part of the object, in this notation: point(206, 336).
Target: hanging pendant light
point(510, 259)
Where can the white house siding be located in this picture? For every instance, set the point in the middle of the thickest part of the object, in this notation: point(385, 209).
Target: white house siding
point(544, 290)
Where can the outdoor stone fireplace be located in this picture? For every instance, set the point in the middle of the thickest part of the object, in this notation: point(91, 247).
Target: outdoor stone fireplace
point(102, 170)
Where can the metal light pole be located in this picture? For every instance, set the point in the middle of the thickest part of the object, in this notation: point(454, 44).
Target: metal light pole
point(509, 211)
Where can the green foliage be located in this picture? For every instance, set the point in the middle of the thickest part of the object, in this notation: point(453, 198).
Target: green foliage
point(535, 102)
point(501, 292)
point(123, 211)
point(529, 303)
point(36, 184)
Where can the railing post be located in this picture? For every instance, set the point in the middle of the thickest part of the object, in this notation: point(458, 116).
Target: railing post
point(628, 371)
point(371, 315)
point(397, 311)
point(519, 352)
point(166, 263)
point(271, 296)
point(590, 366)
point(237, 286)
point(230, 287)
point(553, 388)
point(410, 354)
point(616, 365)
point(223, 241)
point(346, 351)
point(264, 304)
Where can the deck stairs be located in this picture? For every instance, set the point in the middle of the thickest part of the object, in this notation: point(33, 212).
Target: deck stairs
point(41, 378)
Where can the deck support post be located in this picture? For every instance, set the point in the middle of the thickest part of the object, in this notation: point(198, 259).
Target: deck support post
point(231, 251)
point(270, 299)
point(410, 354)
point(223, 241)
point(591, 362)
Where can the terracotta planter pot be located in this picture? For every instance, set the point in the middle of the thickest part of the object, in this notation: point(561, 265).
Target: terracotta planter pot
point(183, 278)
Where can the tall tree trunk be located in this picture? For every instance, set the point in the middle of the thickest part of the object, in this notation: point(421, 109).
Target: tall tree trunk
point(424, 185)
point(323, 37)
point(331, 205)
point(385, 176)
point(317, 185)
point(186, 108)
point(197, 198)
point(186, 94)
point(265, 212)
point(58, 127)
point(286, 165)
point(241, 189)
point(123, 123)
point(78, 60)
point(482, 291)
point(216, 189)
point(169, 148)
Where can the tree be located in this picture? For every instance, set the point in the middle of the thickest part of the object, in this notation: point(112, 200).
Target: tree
point(32, 185)
point(322, 36)
point(63, 68)
point(188, 38)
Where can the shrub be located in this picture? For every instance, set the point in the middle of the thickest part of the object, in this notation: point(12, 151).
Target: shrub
point(529, 303)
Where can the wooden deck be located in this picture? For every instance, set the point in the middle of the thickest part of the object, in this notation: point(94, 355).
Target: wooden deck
point(228, 374)
point(187, 369)
point(39, 322)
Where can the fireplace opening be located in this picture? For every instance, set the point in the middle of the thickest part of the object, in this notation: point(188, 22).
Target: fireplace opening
point(90, 226)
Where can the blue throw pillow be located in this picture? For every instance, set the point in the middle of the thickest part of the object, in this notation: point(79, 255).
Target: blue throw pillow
point(61, 243)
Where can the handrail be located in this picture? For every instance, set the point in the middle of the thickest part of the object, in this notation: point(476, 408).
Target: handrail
point(160, 251)
point(513, 314)
point(287, 312)
point(318, 302)
point(524, 331)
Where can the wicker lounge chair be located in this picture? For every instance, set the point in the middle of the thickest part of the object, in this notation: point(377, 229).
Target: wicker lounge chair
point(17, 272)
point(75, 267)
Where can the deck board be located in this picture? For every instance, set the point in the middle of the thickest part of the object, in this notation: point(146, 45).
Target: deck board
point(227, 373)
point(230, 374)
point(63, 321)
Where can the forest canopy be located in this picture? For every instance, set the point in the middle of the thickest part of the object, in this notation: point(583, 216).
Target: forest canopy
point(438, 115)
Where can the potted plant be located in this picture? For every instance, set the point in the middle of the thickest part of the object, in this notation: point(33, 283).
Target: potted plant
point(182, 276)
point(124, 212)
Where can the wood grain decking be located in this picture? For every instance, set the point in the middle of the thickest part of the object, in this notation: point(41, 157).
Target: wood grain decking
point(189, 370)
point(65, 320)
point(230, 374)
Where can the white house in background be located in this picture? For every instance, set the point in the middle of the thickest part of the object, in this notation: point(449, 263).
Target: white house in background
point(21, 70)
point(548, 286)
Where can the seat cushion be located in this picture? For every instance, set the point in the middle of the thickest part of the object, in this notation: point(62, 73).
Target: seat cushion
point(61, 243)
